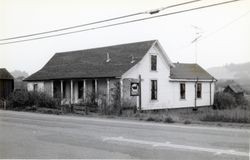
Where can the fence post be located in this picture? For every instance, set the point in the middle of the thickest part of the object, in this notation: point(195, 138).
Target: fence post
point(86, 109)
point(4, 105)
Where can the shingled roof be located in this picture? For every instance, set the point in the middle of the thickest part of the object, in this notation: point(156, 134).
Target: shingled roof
point(4, 74)
point(189, 71)
point(235, 88)
point(91, 63)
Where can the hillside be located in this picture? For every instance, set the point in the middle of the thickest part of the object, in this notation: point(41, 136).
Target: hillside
point(239, 73)
point(18, 73)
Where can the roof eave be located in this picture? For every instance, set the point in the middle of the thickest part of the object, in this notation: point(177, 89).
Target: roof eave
point(191, 80)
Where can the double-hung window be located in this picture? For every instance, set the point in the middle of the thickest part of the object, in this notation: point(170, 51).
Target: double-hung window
point(182, 90)
point(153, 89)
point(35, 87)
point(198, 90)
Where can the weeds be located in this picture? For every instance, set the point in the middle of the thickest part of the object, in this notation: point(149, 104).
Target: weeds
point(168, 120)
point(187, 122)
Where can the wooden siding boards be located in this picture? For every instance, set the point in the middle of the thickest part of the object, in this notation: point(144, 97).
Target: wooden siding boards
point(6, 83)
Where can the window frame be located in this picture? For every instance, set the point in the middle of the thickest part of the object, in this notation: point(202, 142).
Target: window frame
point(198, 90)
point(80, 90)
point(35, 87)
point(153, 67)
point(182, 97)
point(154, 90)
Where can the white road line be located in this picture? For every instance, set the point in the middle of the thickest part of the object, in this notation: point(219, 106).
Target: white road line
point(177, 146)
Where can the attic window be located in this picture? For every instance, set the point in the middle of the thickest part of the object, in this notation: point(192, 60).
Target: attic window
point(153, 62)
point(108, 58)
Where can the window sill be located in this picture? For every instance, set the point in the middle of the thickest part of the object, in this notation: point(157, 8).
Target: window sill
point(154, 100)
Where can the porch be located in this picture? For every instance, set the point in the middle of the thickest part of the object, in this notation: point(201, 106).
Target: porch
point(75, 91)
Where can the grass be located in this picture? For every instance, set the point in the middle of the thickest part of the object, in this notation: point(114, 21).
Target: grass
point(236, 115)
point(188, 116)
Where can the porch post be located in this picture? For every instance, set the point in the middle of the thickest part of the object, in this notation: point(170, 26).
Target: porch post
point(107, 92)
point(95, 88)
point(52, 89)
point(121, 92)
point(61, 91)
point(71, 91)
point(84, 90)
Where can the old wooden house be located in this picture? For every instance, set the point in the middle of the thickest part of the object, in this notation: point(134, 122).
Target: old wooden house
point(108, 73)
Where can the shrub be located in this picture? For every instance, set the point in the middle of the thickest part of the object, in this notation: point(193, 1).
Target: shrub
point(224, 101)
point(22, 99)
point(19, 99)
point(168, 119)
point(187, 122)
point(153, 117)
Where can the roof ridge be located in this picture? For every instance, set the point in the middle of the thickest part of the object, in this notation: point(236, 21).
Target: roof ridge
point(120, 44)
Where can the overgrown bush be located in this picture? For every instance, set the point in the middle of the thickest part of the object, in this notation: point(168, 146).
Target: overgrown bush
point(227, 101)
point(19, 99)
point(224, 101)
point(168, 119)
point(187, 122)
point(152, 117)
point(23, 99)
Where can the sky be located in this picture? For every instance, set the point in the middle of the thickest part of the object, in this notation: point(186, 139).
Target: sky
point(224, 30)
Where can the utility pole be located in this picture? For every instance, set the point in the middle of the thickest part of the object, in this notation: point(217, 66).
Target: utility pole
point(198, 32)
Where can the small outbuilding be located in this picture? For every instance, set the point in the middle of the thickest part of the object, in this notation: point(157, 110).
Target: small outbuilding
point(235, 90)
point(6, 83)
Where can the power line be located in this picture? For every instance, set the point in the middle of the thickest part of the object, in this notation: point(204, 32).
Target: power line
point(226, 25)
point(214, 31)
point(102, 21)
point(126, 22)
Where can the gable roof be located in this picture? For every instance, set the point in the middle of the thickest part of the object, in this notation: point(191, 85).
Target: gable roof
point(91, 63)
point(4, 74)
point(189, 71)
point(235, 88)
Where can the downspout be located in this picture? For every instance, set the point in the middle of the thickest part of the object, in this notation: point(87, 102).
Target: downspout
point(210, 98)
point(195, 95)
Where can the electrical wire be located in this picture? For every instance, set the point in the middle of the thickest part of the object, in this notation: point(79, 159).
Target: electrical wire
point(213, 32)
point(102, 21)
point(125, 22)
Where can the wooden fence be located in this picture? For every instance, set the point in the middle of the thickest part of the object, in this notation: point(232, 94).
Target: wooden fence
point(2, 104)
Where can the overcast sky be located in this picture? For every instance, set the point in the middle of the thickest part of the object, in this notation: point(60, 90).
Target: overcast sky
point(225, 30)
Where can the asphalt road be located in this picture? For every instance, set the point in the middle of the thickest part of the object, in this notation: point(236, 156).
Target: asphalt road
point(30, 135)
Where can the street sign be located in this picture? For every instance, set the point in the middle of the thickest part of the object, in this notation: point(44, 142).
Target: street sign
point(134, 89)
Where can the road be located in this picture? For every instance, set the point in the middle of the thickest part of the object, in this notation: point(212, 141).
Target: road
point(32, 135)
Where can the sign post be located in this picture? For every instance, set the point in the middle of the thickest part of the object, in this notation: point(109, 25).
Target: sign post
point(135, 90)
point(139, 93)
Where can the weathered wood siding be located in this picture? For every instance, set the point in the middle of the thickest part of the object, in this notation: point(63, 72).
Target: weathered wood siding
point(6, 87)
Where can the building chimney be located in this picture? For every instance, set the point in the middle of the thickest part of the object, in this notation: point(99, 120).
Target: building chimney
point(132, 59)
point(108, 58)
